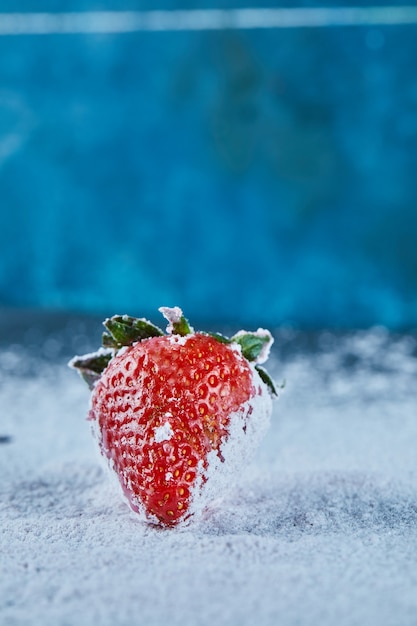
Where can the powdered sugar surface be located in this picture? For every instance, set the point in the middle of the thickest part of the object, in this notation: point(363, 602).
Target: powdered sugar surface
point(320, 529)
point(164, 432)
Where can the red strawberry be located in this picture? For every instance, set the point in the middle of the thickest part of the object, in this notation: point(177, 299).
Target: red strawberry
point(174, 414)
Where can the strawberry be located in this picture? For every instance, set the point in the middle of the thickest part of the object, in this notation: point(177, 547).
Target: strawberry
point(176, 414)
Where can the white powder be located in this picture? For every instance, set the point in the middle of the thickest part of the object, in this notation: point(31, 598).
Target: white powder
point(246, 430)
point(163, 432)
point(179, 340)
point(321, 529)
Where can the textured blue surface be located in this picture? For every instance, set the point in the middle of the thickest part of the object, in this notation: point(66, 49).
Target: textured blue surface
point(262, 177)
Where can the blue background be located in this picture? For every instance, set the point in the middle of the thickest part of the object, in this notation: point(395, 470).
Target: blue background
point(254, 177)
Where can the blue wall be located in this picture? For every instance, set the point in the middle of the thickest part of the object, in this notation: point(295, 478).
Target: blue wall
point(263, 177)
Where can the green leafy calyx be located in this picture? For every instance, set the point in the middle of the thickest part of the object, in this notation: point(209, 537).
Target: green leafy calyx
point(90, 366)
point(123, 331)
point(265, 377)
point(255, 346)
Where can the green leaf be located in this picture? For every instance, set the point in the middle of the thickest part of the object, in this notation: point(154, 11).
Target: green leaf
point(126, 330)
point(219, 337)
point(252, 344)
point(265, 377)
point(91, 366)
point(107, 341)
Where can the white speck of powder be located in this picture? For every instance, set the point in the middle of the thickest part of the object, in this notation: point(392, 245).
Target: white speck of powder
point(163, 432)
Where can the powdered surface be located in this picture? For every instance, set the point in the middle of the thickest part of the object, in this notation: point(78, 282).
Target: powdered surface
point(322, 529)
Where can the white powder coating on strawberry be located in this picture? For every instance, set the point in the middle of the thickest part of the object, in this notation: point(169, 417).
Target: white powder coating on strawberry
point(247, 427)
point(178, 339)
point(163, 432)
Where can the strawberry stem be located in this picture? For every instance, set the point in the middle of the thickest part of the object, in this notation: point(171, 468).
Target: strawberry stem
point(178, 324)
